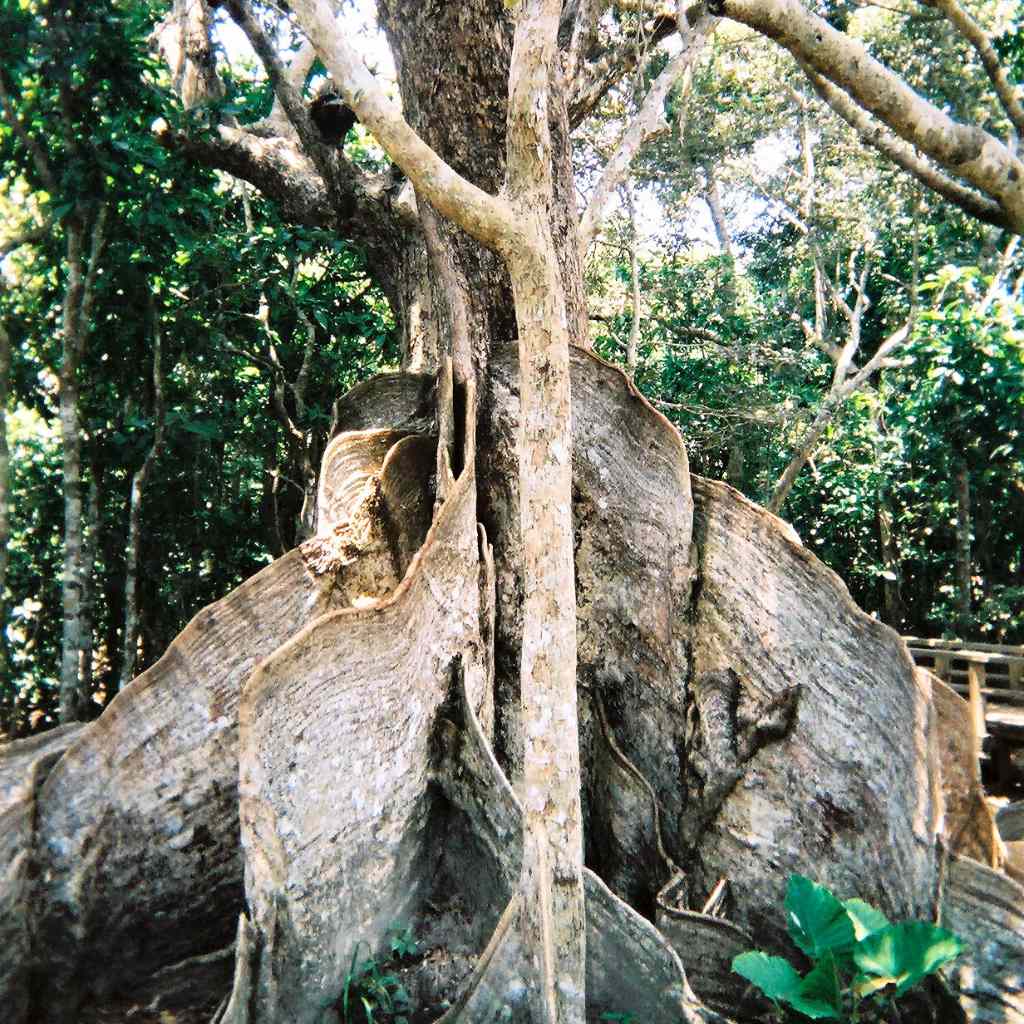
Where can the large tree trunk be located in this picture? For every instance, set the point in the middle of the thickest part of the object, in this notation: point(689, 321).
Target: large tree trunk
point(739, 717)
point(380, 726)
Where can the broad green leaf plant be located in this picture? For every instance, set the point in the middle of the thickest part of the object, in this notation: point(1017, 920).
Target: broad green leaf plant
point(861, 963)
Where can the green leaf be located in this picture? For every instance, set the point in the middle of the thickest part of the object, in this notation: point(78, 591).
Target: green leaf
point(819, 996)
point(818, 923)
point(866, 918)
point(902, 955)
point(775, 977)
point(61, 210)
point(200, 428)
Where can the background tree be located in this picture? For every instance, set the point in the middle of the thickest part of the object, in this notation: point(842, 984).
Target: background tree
point(229, 451)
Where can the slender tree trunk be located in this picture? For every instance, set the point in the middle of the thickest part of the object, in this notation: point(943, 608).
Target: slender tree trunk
point(131, 612)
point(111, 544)
point(963, 548)
point(807, 206)
point(735, 467)
point(269, 510)
point(634, 276)
point(552, 873)
point(78, 296)
point(89, 538)
point(842, 388)
point(7, 696)
point(713, 198)
point(893, 612)
point(130, 641)
point(71, 446)
point(72, 579)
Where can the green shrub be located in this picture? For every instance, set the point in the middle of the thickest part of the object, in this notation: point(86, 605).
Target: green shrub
point(860, 962)
point(373, 993)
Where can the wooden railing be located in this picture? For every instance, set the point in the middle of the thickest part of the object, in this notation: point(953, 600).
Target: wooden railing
point(997, 669)
point(991, 677)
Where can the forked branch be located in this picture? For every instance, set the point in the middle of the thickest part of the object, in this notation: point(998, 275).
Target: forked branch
point(485, 217)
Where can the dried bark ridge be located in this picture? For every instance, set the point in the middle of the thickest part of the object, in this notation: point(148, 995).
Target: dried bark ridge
point(287, 827)
point(324, 873)
point(138, 823)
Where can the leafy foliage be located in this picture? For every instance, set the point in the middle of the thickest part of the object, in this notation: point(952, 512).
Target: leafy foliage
point(372, 992)
point(855, 953)
point(244, 302)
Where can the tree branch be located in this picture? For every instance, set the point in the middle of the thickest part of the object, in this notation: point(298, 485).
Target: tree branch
point(903, 155)
point(644, 124)
point(96, 246)
point(586, 16)
point(485, 217)
point(326, 159)
point(183, 39)
point(277, 122)
point(277, 167)
point(593, 80)
point(982, 43)
point(633, 347)
point(29, 141)
point(964, 150)
point(999, 276)
point(313, 183)
point(833, 402)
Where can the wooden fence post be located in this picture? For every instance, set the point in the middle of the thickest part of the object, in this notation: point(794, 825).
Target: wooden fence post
point(975, 682)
